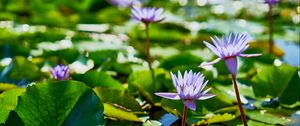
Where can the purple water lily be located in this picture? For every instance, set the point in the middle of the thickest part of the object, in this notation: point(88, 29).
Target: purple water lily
point(272, 2)
point(124, 3)
point(189, 89)
point(147, 15)
point(229, 50)
point(60, 72)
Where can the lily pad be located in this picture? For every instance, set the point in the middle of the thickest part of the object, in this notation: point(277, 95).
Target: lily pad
point(282, 82)
point(120, 114)
point(8, 102)
point(95, 78)
point(118, 98)
point(59, 103)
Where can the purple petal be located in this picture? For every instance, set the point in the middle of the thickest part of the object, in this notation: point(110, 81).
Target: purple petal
point(250, 55)
point(206, 96)
point(172, 96)
point(212, 48)
point(231, 38)
point(225, 42)
point(231, 64)
point(209, 63)
point(159, 11)
point(174, 79)
point(191, 104)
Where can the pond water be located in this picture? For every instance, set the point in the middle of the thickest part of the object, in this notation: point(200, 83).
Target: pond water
point(291, 50)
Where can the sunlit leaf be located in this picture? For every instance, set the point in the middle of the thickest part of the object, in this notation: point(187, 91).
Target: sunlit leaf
point(220, 118)
point(8, 102)
point(282, 82)
point(24, 69)
point(118, 98)
point(141, 81)
point(120, 114)
point(183, 59)
point(6, 86)
point(266, 117)
point(59, 103)
point(95, 78)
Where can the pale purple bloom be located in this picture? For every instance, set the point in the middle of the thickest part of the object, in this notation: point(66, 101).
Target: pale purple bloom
point(189, 89)
point(60, 72)
point(147, 15)
point(272, 2)
point(124, 3)
point(229, 50)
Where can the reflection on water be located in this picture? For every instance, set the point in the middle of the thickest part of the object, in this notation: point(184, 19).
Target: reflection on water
point(296, 119)
point(291, 50)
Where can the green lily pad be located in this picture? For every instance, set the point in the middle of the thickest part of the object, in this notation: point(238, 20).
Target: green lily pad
point(8, 102)
point(6, 86)
point(101, 56)
point(183, 59)
point(119, 98)
point(59, 103)
point(265, 117)
point(113, 112)
point(141, 81)
point(95, 78)
point(22, 68)
point(220, 118)
point(282, 82)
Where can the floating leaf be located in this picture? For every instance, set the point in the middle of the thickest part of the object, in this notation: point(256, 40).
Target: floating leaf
point(120, 114)
point(282, 82)
point(101, 56)
point(254, 123)
point(6, 86)
point(59, 103)
point(8, 102)
point(183, 59)
point(220, 118)
point(142, 82)
point(95, 78)
point(23, 69)
point(118, 98)
point(265, 117)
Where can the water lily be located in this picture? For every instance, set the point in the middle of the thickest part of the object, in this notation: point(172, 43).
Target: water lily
point(60, 72)
point(272, 2)
point(228, 50)
point(148, 14)
point(124, 3)
point(189, 88)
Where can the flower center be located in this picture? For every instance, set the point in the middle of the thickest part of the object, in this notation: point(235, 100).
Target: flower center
point(228, 57)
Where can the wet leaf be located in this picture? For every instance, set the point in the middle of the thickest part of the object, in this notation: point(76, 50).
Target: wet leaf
point(266, 117)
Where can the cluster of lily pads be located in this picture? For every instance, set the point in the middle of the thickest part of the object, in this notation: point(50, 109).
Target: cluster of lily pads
point(114, 94)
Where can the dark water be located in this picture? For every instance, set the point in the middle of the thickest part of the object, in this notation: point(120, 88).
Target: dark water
point(291, 50)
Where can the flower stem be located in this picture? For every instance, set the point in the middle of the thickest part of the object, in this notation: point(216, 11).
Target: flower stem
point(149, 56)
point(270, 19)
point(239, 100)
point(184, 116)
